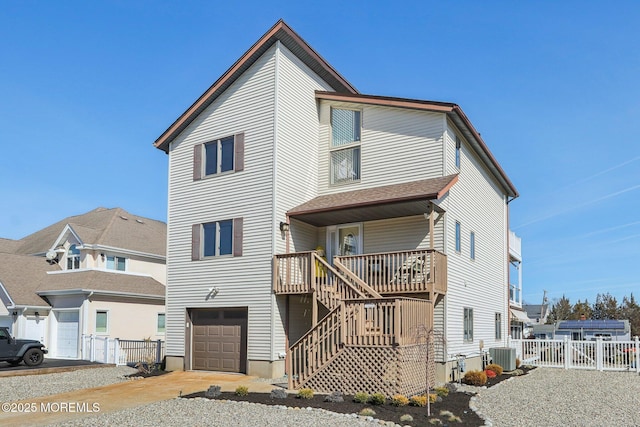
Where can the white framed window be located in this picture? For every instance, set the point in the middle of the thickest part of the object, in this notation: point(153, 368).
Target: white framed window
point(458, 237)
point(73, 258)
point(102, 321)
point(217, 238)
point(458, 145)
point(116, 263)
point(468, 325)
point(345, 145)
point(160, 324)
point(472, 245)
point(498, 325)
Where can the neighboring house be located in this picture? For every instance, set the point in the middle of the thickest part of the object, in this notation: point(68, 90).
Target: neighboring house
point(101, 273)
point(537, 313)
point(323, 233)
point(518, 316)
point(589, 330)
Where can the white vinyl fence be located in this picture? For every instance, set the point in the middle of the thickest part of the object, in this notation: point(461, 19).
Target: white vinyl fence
point(595, 355)
point(121, 352)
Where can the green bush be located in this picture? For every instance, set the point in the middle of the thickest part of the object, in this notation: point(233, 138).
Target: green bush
point(305, 393)
point(477, 378)
point(367, 412)
point(495, 368)
point(377, 399)
point(406, 418)
point(442, 391)
point(399, 400)
point(242, 390)
point(361, 397)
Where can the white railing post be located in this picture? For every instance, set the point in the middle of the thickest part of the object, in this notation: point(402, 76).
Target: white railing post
point(567, 349)
point(116, 351)
point(636, 355)
point(106, 350)
point(83, 348)
point(92, 348)
point(599, 355)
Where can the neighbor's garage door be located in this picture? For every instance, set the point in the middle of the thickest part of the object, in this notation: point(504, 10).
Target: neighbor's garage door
point(219, 340)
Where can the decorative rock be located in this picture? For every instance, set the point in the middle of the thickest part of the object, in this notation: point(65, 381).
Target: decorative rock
point(213, 392)
point(278, 393)
point(334, 397)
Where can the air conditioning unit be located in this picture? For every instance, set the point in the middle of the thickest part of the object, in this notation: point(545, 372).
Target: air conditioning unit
point(504, 356)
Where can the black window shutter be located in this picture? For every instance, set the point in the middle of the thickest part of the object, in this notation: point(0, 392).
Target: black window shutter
point(237, 237)
point(197, 162)
point(195, 242)
point(239, 151)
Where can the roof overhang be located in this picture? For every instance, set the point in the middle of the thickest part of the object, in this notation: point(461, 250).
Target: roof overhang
point(453, 112)
point(389, 201)
point(90, 292)
point(279, 32)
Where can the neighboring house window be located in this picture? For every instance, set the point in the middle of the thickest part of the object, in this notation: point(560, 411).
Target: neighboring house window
point(458, 152)
point(216, 239)
point(472, 245)
point(458, 243)
point(498, 326)
point(73, 258)
point(161, 322)
point(468, 324)
point(345, 146)
point(218, 156)
point(101, 322)
point(116, 263)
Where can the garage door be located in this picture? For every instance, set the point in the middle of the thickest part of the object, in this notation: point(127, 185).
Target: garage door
point(67, 341)
point(219, 340)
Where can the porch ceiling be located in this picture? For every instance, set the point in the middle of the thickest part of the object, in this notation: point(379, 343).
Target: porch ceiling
point(389, 201)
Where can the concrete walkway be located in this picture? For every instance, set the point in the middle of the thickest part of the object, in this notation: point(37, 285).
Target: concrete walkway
point(67, 406)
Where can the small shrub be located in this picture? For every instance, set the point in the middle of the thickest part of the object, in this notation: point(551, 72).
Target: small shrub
point(418, 401)
point(242, 390)
point(334, 397)
point(442, 391)
point(367, 412)
point(305, 393)
point(399, 400)
point(490, 373)
point(361, 397)
point(518, 362)
point(278, 393)
point(477, 378)
point(517, 372)
point(450, 416)
point(495, 368)
point(435, 421)
point(433, 398)
point(406, 418)
point(377, 399)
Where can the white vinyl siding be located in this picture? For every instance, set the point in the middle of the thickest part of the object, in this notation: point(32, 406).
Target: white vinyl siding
point(397, 145)
point(247, 106)
point(478, 204)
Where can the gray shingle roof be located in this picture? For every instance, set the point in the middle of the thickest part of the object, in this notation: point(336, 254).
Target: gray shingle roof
point(108, 227)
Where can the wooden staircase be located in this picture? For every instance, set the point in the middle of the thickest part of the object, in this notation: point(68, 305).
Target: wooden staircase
point(365, 341)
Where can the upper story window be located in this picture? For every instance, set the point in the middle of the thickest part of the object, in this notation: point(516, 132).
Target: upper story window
point(116, 263)
point(216, 239)
point(458, 152)
point(345, 145)
point(218, 156)
point(73, 258)
point(458, 237)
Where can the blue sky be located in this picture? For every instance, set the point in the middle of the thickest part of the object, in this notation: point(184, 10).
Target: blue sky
point(86, 87)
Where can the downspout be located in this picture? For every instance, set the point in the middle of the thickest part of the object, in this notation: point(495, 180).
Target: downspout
point(508, 270)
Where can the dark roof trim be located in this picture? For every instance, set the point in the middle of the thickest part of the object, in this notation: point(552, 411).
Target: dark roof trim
point(453, 111)
point(280, 31)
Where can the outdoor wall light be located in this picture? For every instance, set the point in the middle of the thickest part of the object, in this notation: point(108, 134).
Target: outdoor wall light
point(284, 227)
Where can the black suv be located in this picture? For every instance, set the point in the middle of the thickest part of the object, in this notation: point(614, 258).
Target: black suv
point(15, 351)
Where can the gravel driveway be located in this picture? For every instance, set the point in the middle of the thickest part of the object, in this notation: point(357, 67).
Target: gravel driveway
point(558, 397)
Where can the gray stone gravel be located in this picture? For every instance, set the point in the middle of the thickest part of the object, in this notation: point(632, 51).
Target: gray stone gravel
point(205, 412)
point(31, 386)
point(558, 397)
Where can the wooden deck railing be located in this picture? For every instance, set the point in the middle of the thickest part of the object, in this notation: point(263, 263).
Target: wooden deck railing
point(400, 272)
point(362, 323)
point(292, 273)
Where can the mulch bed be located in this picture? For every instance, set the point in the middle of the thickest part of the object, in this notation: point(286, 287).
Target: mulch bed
point(456, 403)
